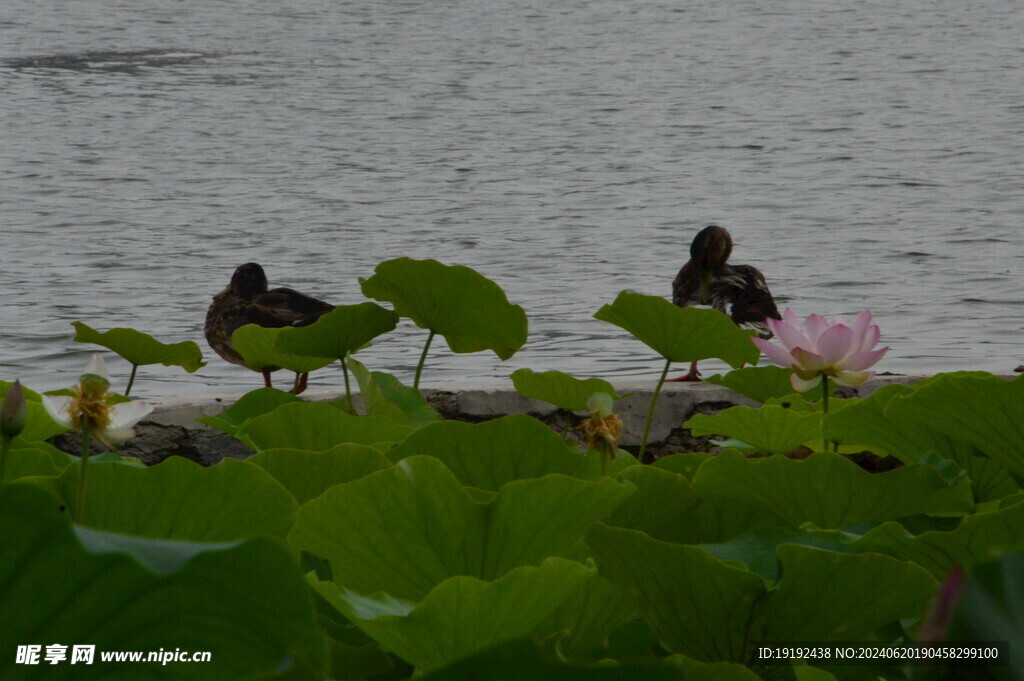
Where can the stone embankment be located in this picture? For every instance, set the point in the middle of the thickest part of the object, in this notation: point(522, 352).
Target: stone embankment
point(172, 429)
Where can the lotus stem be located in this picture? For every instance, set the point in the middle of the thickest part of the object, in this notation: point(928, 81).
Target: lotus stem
point(824, 411)
point(131, 380)
point(83, 467)
point(423, 359)
point(348, 388)
point(5, 450)
point(650, 411)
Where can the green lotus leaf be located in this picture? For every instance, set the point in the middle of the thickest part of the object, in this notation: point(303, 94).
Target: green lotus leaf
point(244, 601)
point(697, 605)
point(560, 389)
point(435, 530)
point(684, 464)
point(141, 349)
point(710, 611)
point(339, 333)
point(258, 347)
point(353, 663)
point(26, 462)
point(769, 429)
point(385, 395)
point(490, 454)
point(991, 608)
point(863, 593)
point(461, 615)
point(587, 617)
point(680, 334)
point(522, 659)
point(307, 474)
point(469, 310)
point(869, 423)
point(757, 547)
point(664, 501)
point(986, 412)
point(179, 499)
point(758, 383)
point(827, 489)
point(667, 507)
point(252, 404)
point(316, 427)
point(977, 539)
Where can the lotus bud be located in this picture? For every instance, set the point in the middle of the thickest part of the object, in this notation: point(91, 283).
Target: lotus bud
point(13, 412)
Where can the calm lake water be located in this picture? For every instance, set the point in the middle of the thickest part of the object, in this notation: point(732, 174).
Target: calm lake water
point(864, 154)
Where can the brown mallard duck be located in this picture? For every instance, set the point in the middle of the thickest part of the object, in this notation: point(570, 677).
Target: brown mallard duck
point(739, 291)
point(247, 301)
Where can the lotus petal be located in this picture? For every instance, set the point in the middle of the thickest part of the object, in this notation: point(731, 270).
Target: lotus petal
point(835, 344)
point(859, 361)
point(127, 414)
point(775, 353)
point(852, 378)
point(789, 335)
point(802, 386)
point(814, 326)
point(57, 407)
point(807, 360)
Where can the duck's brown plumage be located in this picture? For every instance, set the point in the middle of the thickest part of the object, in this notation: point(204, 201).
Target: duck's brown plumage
point(248, 301)
point(739, 291)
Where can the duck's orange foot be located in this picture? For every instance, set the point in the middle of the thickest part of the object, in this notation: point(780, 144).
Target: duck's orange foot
point(692, 377)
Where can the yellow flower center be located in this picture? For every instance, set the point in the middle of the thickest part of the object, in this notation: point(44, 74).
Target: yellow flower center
point(598, 431)
point(89, 407)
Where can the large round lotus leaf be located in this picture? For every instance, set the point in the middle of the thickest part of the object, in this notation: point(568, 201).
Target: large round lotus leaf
point(828, 489)
point(757, 383)
point(559, 388)
point(307, 474)
point(257, 346)
point(339, 333)
point(984, 411)
point(978, 538)
point(316, 426)
point(250, 405)
point(406, 529)
point(179, 499)
point(461, 615)
point(490, 454)
point(680, 334)
point(468, 309)
point(245, 602)
point(141, 348)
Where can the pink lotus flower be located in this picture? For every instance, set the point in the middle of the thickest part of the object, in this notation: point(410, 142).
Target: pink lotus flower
point(822, 348)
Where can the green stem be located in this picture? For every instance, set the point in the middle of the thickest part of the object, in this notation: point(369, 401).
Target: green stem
point(824, 412)
point(83, 467)
point(568, 423)
point(348, 388)
point(650, 411)
point(131, 380)
point(423, 358)
point(5, 449)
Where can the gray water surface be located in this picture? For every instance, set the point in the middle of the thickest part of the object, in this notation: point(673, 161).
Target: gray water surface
point(865, 155)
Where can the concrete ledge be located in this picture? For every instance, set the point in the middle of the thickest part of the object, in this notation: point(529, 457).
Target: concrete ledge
point(172, 429)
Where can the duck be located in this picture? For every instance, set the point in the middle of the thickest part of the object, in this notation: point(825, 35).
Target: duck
point(247, 300)
point(740, 291)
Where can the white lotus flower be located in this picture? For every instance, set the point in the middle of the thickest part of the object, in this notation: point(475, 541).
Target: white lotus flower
point(90, 407)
